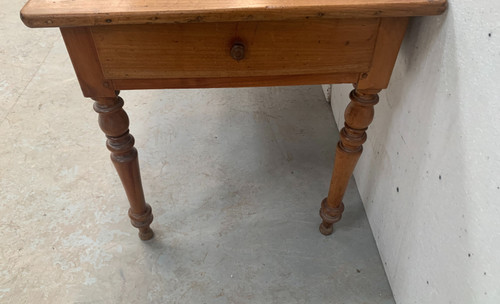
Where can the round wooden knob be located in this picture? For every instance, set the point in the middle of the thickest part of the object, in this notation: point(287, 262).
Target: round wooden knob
point(238, 51)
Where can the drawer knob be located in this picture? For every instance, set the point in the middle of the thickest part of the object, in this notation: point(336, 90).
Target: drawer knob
point(238, 51)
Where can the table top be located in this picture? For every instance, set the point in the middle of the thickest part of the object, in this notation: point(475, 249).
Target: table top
point(67, 13)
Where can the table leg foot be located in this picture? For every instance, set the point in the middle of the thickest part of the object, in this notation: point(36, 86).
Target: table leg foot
point(329, 216)
point(325, 228)
point(142, 222)
point(358, 116)
point(114, 122)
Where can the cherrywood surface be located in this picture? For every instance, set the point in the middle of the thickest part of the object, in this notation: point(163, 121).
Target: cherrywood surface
point(204, 50)
point(389, 38)
point(114, 122)
point(232, 82)
point(358, 115)
point(82, 52)
point(154, 44)
point(63, 13)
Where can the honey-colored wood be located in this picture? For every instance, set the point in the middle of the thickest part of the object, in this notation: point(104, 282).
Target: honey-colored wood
point(204, 50)
point(154, 44)
point(64, 13)
point(390, 36)
point(232, 82)
point(358, 115)
point(114, 122)
point(81, 49)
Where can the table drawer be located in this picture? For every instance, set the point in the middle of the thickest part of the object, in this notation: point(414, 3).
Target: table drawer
point(200, 50)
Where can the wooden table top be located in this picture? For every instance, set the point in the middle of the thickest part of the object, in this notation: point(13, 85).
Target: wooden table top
point(66, 13)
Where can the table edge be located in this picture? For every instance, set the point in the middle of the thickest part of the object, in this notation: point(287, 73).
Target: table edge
point(34, 19)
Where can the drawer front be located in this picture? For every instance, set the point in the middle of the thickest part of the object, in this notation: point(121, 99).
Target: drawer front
point(199, 50)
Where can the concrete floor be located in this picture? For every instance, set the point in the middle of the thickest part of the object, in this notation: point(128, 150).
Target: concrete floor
point(235, 178)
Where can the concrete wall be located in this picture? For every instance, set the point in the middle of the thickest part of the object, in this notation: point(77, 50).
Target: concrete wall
point(430, 172)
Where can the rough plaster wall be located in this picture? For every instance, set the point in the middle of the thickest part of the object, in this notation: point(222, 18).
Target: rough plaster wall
point(430, 172)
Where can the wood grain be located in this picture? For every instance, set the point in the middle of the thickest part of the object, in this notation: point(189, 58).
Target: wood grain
point(81, 49)
point(63, 13)
point(358, 116)
point(389, 39)
point(114, 122)
point(155, 44)
point(232, 82)
point(204, 50)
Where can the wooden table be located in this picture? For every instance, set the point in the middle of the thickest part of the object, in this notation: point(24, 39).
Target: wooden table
point(160, 44)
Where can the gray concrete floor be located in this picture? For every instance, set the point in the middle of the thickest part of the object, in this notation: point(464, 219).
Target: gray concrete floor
point(235, 178)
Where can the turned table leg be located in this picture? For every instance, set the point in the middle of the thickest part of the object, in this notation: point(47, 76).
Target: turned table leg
point(358, 115)
point(114, 123)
